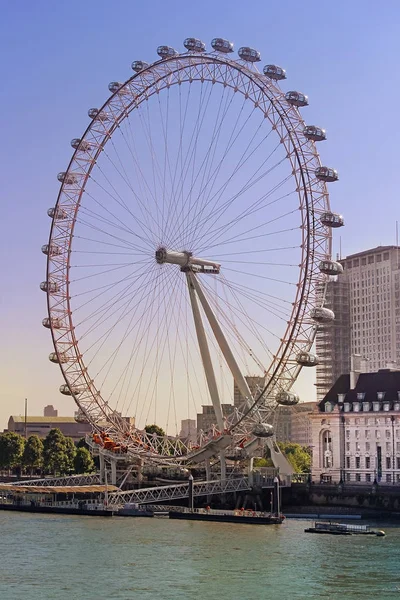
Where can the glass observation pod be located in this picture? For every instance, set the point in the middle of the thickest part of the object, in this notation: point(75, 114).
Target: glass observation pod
point(49, 286)
point(51, 323)
point(194, 45)
point(51, 250)
point(67, 178)
point(139, 65)
point(287, 398)
point(249, 54)
point(99, 115)
point(326, 174)
point(331, 219)
point(221, 45)
point(116, 86)
point(57, 213)
point(79, 144)
point(307, 359)
point(322, 315)
point(66, 391)
point(166, 51)
point(330, 267)
point(61, 359)
point(263, 430)
point(311, 132)
point(296, 98)
point(274, 72)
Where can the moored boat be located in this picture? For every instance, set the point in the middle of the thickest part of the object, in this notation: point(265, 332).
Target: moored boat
point(227, 516)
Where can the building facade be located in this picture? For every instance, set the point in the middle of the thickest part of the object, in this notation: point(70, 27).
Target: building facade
point(42, 425)
point(301, 430)
point(356, 430)
point(188, 430)
point(366, 303)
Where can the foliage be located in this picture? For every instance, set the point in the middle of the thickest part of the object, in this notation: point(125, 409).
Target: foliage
point(11, 449)
point(57, 453)
point(81, 444)
point(155, 429)
point(263, 462)
point(298, 456)
point(32, 457)
point(83, 461)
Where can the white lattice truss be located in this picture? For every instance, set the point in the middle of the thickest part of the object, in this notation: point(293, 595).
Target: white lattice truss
point(70, 480)
point(299, 336)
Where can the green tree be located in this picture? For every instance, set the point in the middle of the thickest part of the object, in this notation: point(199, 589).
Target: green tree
point(81, 443)
point(70, 450)
point(55, 456)
point(155, 429)
point(298, 456)
point(83, 461)
point(32, 457)
point(11, 450)
point(263, 462)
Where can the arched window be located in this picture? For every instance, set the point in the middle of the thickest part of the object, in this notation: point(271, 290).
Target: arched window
point(327, 449)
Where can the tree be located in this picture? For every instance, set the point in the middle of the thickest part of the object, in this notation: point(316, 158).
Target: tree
point(70, 450)
point(298, 456)
point(82, 443)
point(55, 455)
point(32, 457)
point(83, 461)
point(155, 429)
point(11, 449)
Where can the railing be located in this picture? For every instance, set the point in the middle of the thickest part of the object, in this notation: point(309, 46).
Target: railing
point(69, 480)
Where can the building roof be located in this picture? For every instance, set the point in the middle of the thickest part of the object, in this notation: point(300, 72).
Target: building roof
point(43, 420)
point(369, 384)
point(371, 251)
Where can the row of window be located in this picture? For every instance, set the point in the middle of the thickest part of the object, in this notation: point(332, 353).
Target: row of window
point(368, 462)
point(356, 262)
point(368, 434)
point(369, 477)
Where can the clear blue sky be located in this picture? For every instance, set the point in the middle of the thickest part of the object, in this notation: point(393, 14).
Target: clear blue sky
point(57, 59)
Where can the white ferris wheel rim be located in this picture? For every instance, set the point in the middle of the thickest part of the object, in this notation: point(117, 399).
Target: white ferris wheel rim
point(313, 197)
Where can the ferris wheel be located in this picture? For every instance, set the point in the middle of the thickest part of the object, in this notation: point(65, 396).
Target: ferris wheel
point(189, 252)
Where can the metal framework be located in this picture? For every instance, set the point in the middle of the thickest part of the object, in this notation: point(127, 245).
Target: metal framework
point(287, 124)
point(63, 481)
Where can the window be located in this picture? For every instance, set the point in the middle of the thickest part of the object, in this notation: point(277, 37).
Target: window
point(387, 434)
point(377, 434)
point(358, 462)
point(358, 448)
point(398, 462)
point(368, 477)
point(358, 477)
point(388, 462)
point(388, 478)
point(367, 434)
point(367, 446)
point(347, 434)
point(347, 462)
point(367, 462)
point(347, 446)
point(357, 434)
point(388, 444)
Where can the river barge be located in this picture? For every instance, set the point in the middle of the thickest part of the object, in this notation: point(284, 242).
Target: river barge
point(58, 510)
point(343, 529)
point(250, 517)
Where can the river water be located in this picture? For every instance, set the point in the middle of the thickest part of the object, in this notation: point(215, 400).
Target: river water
point(60, 557)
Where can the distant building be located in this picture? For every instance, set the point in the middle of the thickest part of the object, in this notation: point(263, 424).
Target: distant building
point(366, 303)
point(301, 430)
point(50, 411)
point(42, 425)
point(206, 419)
point(188, 430)
point(256, 385)
point(356, 430)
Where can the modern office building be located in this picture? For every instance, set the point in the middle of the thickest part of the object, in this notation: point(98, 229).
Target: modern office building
point(50, 411)
point(366, 303)
point(256, 385)
point(301, 430)
point(188, 430)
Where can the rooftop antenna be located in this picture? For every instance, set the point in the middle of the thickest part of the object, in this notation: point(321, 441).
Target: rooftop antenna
point(340, 247)
point(26, 417)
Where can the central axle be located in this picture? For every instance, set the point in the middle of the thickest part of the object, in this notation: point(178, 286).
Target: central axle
point(186, 261)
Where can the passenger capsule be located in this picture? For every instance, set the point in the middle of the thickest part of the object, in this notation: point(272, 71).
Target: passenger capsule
point(51, 250)
point(68, 178)
point(330, 267)
point(287, 398)
point(52, 323)
point(311, 132)
point(296, 98)
point(194, 45)
point(263, 430)
point(221, 45)
point(166, 51)
point(331, 219)
point(249, 54)
point(99, 115)
point(49, 286)
point(307, 359)
point(81, 145)
point(326, 174)
point(57, 213)
point(61, 359)
point(118, 87)
point(139, 65)
point(67, 391)
point(274, 72)
point(322, 315)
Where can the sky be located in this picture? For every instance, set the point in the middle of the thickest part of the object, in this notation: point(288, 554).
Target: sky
point(57, 60)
